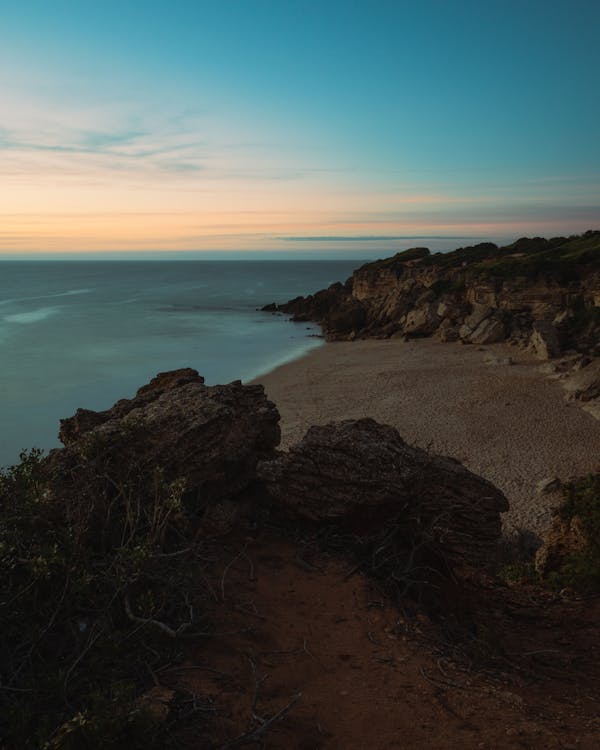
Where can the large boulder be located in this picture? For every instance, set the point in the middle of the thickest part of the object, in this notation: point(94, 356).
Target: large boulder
point(362, 476)
point(544, 340)
point(476, 317)
point(423, 320)
point(583, 384)
point(491, 330)
point(208, 437)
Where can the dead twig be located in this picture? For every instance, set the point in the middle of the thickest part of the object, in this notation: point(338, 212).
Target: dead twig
point(254, 735)
point(226, 569)
point(440, 683)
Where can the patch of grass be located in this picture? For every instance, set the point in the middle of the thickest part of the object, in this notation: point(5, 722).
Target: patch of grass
point(518, 572)
point(581, 570)
point(398, 260)
point(560, 258)
point(582, 500)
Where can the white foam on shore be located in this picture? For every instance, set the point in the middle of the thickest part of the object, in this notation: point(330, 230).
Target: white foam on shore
point(307, 345)
point(32, 316)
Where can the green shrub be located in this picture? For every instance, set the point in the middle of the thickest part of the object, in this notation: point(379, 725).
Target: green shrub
point(96, 587)
point(518, 572)
point(581, 570)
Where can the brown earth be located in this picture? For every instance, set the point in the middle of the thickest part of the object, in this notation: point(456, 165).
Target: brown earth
point(294, 635)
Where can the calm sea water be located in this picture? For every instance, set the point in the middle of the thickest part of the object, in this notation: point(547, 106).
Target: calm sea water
point(83, 333)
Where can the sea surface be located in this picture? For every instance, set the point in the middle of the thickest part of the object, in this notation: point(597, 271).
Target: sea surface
point(86, 333)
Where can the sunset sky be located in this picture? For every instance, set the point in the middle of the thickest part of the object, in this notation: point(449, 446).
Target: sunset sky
point(295, 126)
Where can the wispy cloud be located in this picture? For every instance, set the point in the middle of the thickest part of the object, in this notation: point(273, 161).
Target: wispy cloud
point(368, 238)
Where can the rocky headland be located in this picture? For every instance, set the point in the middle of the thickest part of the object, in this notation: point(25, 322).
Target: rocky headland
point(540, 295)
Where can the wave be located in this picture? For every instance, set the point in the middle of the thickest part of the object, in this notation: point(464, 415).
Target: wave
point(71, 292)
point(32, 316)
point(68, 293)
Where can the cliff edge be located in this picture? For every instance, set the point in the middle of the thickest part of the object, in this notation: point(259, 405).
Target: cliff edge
point(538, 293)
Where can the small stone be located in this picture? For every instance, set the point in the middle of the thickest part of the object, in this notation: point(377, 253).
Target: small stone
point(547, 485)
point(494, 360)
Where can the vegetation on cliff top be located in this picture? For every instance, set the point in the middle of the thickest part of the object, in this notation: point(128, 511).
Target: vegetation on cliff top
point(524, 257)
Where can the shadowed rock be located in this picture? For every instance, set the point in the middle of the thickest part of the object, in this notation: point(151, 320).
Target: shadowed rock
point(210, 437)
point(362, 475)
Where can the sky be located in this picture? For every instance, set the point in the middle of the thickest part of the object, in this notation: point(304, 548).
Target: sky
point(295, 126)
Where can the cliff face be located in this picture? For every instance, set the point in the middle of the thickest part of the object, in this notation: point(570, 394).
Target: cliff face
point(537, 292)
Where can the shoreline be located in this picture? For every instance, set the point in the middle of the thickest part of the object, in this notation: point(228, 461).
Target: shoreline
point(508, 423)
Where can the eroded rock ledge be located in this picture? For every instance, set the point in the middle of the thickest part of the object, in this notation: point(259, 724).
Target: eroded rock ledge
point(545, 293)
point(542, 295)
point(221, 441)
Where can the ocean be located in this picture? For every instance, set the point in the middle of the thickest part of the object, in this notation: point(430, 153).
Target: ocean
point(86, 333)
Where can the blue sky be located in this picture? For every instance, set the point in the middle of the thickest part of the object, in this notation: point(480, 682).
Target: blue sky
point(278, 125)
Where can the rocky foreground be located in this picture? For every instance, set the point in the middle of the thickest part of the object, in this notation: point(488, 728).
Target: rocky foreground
point(170, 558)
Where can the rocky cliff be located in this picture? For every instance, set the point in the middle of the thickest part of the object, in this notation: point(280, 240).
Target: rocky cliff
point(540, 293)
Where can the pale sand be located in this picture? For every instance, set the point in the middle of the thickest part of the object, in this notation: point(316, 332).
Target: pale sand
point(509, 424)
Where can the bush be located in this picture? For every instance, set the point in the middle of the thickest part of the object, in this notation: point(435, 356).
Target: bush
point(580, 570)
point(97, 586)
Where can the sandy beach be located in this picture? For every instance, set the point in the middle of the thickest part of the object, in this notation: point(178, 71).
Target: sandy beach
point(508, 423)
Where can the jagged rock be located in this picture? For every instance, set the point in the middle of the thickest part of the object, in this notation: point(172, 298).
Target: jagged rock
point(362, 475)
point(414, 291)
point(549, 484)
point(422, 321)
point(490, 331)
point(446, 331)
point(592, 407)
point(584, 384)
point(473, 321)
point(478, 314)
point(564, 316)
point(491, 359)
point(211, 437)
point(544, 340)
point(564, 537)
point(84, 420)
point(448, 311)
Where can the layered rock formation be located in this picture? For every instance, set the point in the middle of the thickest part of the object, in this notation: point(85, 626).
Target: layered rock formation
point(220, 443)
point(208, 437)
point(536, 292)
point(361, 476)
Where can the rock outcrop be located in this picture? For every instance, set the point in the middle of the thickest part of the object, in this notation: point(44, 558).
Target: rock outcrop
point(363, 477)
point(210, 437)
point(219, 444)
point(544, 340)
point(544, 294)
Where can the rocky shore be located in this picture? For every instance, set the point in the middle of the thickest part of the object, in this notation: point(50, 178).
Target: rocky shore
point(540, 295)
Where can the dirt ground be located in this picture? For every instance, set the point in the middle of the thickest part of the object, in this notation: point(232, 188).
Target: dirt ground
point(306, 654)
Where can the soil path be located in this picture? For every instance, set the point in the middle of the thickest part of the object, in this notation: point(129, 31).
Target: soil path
point(349, 671)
